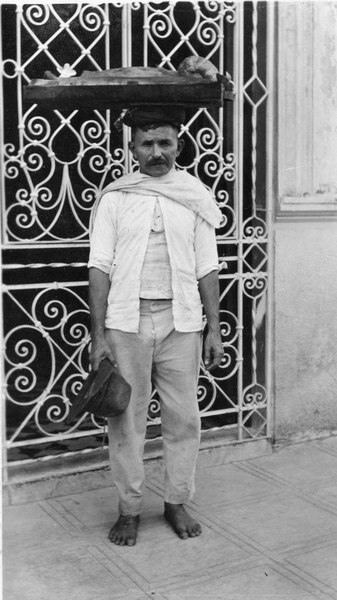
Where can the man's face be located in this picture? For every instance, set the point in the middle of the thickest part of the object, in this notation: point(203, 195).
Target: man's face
point(156, 149)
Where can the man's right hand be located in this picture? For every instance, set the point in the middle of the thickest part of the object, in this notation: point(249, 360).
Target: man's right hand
point(99, 350)
point(99, 285)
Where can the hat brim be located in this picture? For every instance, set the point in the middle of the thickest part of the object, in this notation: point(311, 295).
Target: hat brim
point(143, 116)
point(92, 384)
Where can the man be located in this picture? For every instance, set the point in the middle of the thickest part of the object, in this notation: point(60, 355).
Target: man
point(153, 263)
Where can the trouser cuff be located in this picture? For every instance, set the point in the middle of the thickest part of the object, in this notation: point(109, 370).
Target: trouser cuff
point(178, 499)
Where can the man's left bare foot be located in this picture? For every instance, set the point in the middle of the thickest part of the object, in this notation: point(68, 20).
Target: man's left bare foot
point(183, 524)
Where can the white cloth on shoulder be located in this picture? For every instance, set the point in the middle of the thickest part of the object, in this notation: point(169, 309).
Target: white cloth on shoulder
point(179, 186)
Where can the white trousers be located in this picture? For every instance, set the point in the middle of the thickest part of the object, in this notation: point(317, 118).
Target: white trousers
point(171, 360)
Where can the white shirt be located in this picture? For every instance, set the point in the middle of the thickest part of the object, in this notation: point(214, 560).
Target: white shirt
point(118, 244)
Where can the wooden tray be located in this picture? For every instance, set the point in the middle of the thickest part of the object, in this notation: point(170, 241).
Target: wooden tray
point(127, 87)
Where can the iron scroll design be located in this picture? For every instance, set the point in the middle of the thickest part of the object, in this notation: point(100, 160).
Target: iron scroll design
point(55, 163)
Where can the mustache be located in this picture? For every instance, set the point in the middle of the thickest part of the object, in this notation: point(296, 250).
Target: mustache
point(156, 161)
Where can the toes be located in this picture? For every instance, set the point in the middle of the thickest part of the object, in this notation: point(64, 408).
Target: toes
point(124, 531)
point(182, 534)
point(181, 522)
point(192, 531)
point(120, 540)
point(112, 536)
point(130, 542)
point(197, 530)
point(115, 539)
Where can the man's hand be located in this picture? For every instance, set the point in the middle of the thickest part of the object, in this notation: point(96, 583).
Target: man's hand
point(209, 292)
point(99, 350)
point(99, 286)
point(213, 351)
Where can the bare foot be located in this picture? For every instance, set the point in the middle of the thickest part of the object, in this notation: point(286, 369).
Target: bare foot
point(124, 531)
point(183, 524)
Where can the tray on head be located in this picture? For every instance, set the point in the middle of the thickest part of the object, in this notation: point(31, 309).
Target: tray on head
point(127, 87)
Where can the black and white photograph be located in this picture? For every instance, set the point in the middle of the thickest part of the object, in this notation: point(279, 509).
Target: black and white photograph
point(168, 299)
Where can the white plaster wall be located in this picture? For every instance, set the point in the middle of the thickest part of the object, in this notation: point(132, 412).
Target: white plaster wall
point(305, 275)
point(324, 91)
point(305, 328)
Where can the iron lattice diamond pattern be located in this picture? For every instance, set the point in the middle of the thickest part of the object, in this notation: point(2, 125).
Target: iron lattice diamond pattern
point(255, 91)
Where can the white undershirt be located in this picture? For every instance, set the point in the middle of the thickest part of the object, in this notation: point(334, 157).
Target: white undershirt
point(156, 277)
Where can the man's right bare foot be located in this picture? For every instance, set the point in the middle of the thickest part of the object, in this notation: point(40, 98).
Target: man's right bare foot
point(124, 531)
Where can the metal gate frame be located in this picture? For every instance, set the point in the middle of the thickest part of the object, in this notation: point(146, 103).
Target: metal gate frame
point(253, 400)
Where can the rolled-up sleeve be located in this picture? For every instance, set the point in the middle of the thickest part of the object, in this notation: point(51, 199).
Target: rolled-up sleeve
point(205, 248)
point(103, 237)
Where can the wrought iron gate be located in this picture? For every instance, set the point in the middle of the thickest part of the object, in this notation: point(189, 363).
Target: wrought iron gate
point(53, 164)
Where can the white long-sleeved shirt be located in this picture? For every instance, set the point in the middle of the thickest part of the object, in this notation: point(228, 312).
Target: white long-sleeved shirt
point(118, 245)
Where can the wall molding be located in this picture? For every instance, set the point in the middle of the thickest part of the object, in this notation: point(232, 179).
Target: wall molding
point(308, 207)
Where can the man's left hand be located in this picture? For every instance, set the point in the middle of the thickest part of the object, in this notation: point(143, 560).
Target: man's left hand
point(213, 351)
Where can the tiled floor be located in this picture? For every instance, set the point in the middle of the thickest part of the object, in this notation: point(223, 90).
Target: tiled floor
point(269, 532)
